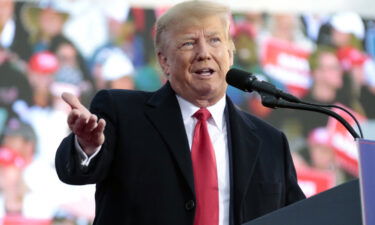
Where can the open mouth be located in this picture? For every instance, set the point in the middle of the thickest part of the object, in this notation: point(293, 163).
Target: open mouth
point(205, 72)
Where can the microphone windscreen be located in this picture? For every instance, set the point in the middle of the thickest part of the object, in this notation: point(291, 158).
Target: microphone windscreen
point(238, 78)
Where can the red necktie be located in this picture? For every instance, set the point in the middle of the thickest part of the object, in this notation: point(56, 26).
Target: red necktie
point(205, 174)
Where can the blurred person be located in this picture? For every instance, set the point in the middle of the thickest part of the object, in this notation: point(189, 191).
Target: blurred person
point(283, 26)
point(43, 201)
point(21, 138)
point(287, 27)
point(257, 20)
point(73, 67)
point(247, 58)
point(348, 32)
point(116, 16)
point(115, 70)
point(319, 171)
point(14, 50)
point(47, 81)
point(322, 155)
point(139, 147)
point(284, 53)
point(327, 88)
point(110, 64)
point(327, 75)
point(360, 79)
point(41, 70)
point(118, 71)
point(12, 189)
point(14, 87)
point(244, 39)
point(17, 149)
point(116, 13)
point(348, 29)
point(89, 18)
point(13, 35)
point(342, 29)
point(45, 21)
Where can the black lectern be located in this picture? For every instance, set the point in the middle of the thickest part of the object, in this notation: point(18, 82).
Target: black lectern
point(338, 206)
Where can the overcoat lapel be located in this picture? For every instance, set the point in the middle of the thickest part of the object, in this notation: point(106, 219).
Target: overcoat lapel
point(164, 113)
point(245, 148)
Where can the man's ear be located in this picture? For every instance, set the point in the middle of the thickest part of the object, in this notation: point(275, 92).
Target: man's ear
point(231, 50)
point(231, 56)
point(164, 64)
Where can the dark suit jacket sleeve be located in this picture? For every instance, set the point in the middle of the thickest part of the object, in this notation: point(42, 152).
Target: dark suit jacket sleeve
point(293, 191)
point(67, 162)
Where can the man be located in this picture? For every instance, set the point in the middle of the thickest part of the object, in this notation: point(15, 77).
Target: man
point(17, 149)
point(13, 36)
point(141, 153)
point(327, 88)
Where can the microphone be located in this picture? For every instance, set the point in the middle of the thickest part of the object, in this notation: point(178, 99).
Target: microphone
point(273, 97)
point(246, 81)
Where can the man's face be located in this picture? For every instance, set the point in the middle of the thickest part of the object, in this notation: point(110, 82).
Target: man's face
point(51, 22)
point(196, 59)
point(329, 71)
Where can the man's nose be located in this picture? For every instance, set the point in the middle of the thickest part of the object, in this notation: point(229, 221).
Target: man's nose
point(203, 50)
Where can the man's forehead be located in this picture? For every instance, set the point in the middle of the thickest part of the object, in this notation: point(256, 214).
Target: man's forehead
point(194, 29)
point(196, 33)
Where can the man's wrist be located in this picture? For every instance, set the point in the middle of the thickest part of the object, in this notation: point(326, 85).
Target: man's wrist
point(84, 155)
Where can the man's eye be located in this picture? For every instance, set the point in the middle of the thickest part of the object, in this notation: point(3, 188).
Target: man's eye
point(215, 40)
point(188, 43)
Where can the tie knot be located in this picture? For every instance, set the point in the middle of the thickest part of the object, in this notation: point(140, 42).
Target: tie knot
point(202, 114)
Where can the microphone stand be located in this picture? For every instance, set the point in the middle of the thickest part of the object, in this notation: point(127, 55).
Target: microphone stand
point(274, 102)
point(366, 151)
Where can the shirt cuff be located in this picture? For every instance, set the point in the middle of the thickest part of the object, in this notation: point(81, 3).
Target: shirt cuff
point(85, 159)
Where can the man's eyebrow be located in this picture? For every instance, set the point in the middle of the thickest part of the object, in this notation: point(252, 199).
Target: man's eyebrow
point(187, 36)
point(214, 34)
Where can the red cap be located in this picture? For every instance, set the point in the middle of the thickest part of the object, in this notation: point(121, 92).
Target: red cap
point(9, 157)
point(244, 27)
point(44, 63)
point(350, 57)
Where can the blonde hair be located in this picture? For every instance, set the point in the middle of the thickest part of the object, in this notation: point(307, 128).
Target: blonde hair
point(189, 12)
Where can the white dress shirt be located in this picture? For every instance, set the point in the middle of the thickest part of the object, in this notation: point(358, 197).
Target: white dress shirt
point(217, 129)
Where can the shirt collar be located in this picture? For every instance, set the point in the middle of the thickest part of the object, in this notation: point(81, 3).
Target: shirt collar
point(216, 110)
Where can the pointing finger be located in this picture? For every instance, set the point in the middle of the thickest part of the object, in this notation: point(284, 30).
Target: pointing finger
point(73, 102)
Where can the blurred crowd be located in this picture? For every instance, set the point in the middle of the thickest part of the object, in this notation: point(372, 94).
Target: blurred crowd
point(48, 47)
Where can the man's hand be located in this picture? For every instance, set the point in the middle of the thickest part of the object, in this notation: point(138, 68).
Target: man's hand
point(85, 125)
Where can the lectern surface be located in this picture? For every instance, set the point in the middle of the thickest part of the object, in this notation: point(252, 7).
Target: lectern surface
point(338, 206)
